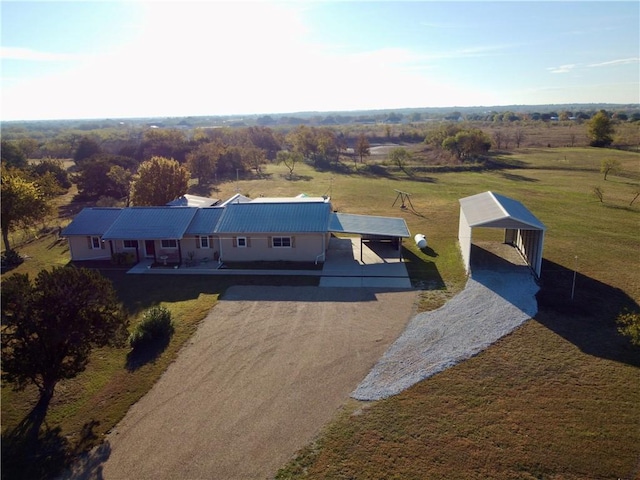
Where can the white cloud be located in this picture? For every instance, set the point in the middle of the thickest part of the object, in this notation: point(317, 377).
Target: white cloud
point(562, 68)
point(620, 61)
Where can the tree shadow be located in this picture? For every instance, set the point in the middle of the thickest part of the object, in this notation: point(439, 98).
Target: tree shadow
point(296, 178)
point(587, 320)
point(517, 178)
point(44, 455)
point(146, 353)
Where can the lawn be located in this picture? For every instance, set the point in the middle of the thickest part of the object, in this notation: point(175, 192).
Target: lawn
point(552, 400)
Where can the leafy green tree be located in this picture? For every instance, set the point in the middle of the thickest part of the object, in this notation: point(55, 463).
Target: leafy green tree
point(609, 166)
point(158, 181)
point(55, 168)
point(29, 146)
point(23, 203)
point(168, 143)
point(362, 147)
point(290, 159)
point(400, 156)
point(51, 325)
point(87, 147)
point(94, 180)
point(467, 144)
point(203, 161)
point(600, 130)
point(11, 155)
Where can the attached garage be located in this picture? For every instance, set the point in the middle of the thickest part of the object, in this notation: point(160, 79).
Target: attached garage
point(491, 210)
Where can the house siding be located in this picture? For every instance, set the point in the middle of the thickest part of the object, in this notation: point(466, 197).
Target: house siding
point(80, 250)
point(306, 248)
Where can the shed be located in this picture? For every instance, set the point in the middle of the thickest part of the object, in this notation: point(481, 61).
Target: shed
point(491, 210)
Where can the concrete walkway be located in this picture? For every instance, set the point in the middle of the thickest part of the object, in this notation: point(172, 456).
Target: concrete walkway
point(349, 263)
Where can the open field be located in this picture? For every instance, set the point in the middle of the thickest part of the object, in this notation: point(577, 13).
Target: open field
point(552, 400)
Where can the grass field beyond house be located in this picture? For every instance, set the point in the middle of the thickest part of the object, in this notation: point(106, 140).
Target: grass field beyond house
point(556, 399)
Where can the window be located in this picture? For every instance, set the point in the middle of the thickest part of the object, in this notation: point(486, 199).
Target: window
point(204, 242)
point(242, 242)
point(169, 243)
point(130, 243)
point(281, 242)
point(95, 243)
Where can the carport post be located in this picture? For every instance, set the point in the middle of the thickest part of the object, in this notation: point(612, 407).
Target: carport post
point(361, 261)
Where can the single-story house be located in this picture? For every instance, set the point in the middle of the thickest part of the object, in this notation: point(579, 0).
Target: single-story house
point(239, 229)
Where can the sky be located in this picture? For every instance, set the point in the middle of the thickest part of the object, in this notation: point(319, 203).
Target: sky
point(122, 59)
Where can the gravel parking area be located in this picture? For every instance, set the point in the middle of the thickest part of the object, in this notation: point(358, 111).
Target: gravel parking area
point(265, 371)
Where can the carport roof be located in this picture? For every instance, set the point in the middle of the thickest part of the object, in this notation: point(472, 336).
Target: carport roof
point(368, 225)
point(490, 209)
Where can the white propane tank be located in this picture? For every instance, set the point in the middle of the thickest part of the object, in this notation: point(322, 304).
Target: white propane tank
point(421, 240)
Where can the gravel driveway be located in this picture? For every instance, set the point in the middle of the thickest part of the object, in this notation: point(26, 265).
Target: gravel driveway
point(491, 305)
point(266, 369)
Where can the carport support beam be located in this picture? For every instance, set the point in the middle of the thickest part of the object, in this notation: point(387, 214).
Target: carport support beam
point(361, 261)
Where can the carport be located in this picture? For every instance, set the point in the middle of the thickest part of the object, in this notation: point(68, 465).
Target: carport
point(491, 210)
point(371, 228)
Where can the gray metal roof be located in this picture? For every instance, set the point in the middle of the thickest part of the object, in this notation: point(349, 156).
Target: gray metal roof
point(368, 225)
point(187, 200)
point(162, 223)
point(296, 217)
point(92, 221)
point(490, 209)
point(204, 222)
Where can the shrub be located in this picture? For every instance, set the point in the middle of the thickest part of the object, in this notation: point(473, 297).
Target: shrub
point(156, 324)
point(629, 326)
point(11, 259)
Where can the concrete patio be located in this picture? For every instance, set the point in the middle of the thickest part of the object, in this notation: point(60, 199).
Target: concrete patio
point(348, 264)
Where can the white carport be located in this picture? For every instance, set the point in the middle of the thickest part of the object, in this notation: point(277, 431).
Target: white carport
point(491, 210)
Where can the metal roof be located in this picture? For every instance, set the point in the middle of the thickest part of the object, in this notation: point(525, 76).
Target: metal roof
point(490, 209)
point(162, 223)
point(368, 225)
point(187, 200)
point(204, 222)
point(92, 221)
point(296, 217)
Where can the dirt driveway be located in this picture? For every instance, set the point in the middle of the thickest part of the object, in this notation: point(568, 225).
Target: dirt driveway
point(264, 372)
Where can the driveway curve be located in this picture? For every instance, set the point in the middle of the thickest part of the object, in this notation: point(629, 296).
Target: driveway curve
point(266, 369)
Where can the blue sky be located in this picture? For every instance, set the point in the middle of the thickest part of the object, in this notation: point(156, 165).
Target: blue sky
point(174, 58)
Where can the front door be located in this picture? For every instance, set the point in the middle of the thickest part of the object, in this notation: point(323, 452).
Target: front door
point(150, 248)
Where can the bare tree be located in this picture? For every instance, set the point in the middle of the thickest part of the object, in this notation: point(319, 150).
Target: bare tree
point(518, 136)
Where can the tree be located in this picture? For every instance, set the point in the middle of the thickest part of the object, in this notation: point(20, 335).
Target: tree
point(600, 130)
point(51, 325)
point(23, 203)
point(158, 181)
point(203, 161)
point(518, 136)
point(54, 167)
point(87, 147)
point(11, 155)
point(290, 159)
point(400, 157)
point(94, 180)
point(609, 165)
point(467, 144)
point(362, 147)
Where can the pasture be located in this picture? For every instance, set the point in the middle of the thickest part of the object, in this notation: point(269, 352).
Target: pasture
point(558, 398)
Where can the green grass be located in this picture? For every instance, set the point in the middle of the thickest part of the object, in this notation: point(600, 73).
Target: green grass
point(552, 400)
point(556, 398)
